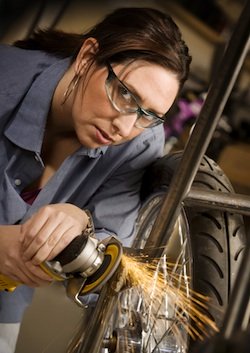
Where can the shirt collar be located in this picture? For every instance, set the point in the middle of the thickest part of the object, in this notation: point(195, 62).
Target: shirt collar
point(91, 152)
point(34, 109)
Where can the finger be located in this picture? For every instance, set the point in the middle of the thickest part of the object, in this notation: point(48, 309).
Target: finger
point(55, 244)
point(37, 273)
point(44, 233)
point(20, 277)
point(31, 228)
point(33, 276)
point(64, 241)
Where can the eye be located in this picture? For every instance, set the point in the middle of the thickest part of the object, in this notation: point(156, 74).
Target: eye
point(148, 117)
point(124, 94)
point(146, 120)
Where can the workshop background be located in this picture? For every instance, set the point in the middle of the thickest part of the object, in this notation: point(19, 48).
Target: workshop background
point(206, 27)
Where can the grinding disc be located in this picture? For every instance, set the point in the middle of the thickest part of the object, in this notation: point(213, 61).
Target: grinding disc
point(111, 261)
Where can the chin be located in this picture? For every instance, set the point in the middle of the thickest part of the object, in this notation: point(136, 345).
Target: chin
point(90, 144)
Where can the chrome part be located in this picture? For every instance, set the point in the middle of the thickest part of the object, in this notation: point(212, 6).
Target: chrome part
point(55, 268)
point(74, 288)
point(92, 338)
point(88, 261)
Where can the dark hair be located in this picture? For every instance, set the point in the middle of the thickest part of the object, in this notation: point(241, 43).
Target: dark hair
point(126, 33)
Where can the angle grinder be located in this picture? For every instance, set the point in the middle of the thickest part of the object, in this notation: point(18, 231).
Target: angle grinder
point(85, 265)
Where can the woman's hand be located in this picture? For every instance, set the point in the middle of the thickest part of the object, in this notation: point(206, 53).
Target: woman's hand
point(12, 264)
point(50, 230)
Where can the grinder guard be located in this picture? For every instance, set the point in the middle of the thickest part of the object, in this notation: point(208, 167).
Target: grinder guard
point(86, 264)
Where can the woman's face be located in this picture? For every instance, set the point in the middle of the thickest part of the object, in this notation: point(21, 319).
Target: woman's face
point(98, 123)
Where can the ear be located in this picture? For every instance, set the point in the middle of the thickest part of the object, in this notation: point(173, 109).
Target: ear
point(86, 53)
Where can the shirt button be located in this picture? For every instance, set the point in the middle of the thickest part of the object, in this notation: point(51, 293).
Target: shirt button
point(18, 182)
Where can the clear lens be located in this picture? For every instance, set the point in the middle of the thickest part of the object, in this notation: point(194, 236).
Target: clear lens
point(122, 98)
point(124, 102)
point(145, 121)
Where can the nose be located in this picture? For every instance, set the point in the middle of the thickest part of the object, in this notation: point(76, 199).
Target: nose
point(124, 124)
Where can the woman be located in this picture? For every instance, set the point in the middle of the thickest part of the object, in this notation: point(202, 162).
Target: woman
point(81, 116)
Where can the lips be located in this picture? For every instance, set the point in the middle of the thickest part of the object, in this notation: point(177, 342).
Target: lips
point(103, 137)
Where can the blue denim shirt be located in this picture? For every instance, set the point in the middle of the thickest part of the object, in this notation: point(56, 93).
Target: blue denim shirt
point(105, 180)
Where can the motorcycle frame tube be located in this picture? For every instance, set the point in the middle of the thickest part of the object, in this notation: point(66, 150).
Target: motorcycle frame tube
point(218, 201)
point(96, 327)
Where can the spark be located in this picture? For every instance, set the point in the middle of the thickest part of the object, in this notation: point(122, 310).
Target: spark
point(163, 292)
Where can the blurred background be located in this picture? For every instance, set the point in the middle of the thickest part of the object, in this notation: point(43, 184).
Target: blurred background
point(206, 26)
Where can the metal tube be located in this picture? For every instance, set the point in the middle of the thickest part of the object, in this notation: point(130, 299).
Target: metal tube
point(218, 200)
point(198, 142)
point(95, 330)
